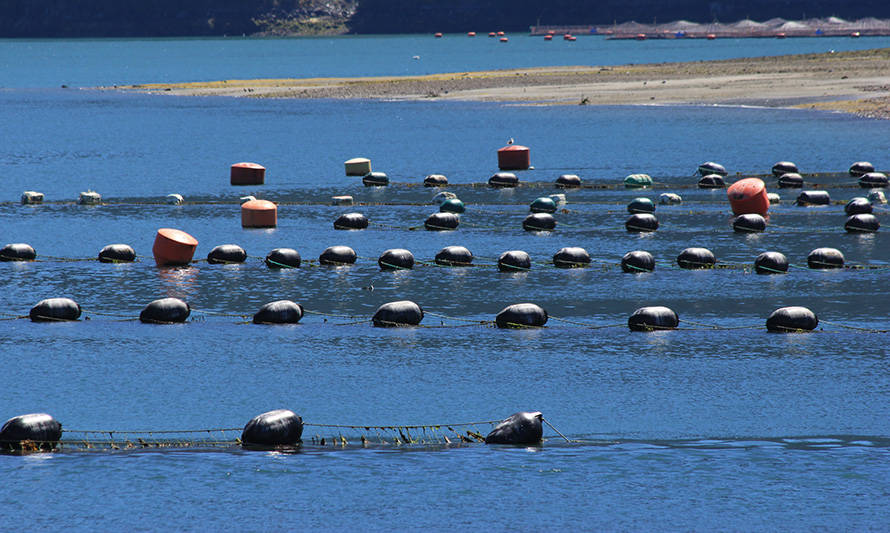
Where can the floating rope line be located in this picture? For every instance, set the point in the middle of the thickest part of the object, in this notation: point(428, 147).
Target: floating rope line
point(855, 328)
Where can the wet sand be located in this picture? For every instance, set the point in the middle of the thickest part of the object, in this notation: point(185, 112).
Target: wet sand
point(852, 82)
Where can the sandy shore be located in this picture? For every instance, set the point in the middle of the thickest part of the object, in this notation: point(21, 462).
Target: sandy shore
point(852, 82)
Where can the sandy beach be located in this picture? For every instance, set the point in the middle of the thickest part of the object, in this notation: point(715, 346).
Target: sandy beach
point(852, 82)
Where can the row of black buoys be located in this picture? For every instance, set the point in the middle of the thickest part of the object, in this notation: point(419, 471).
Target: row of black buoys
point(790, 180)
point(637, 261)
point(273, 429)
point(568, 181)
point(873, 180)
point(860, 168)
point(165, 311)
point(807, 198)
point(55, 310)
point(279, 312)
point(525, 315)
point(771, 263)
point(337, 255)
point(18, 251)
point(454, 256)
point(519, 428)
point(749, 223)
point(539, 222)
point(710, 167)
point(641, 205)
point(396, 259)
point(711, 181)
point(653, 319)
point(783, 167)
point(31, 432)
point(226, 254)
point(435, 180)
point(452, 205)
point(396, 314)
point(696, 258)
point(348, 221)
point(641, 223)
point(858, 206)
point(544, 204)
point(514, 260)
point(791, 319)
point(571, 257)
point(375, 179)
point(825, 258)
point(503, 180)
point(117, 253)
point(442, 222)
point(863, 223)
point(283, 258)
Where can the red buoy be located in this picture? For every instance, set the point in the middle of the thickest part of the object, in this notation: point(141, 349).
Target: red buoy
point(500, 34)
point(572, 38)
point(504, 39)
point(748, 196)
point(640, 37)
point(259, 214)
point(492, 34)
point(173, 247)
point(711, 36)
point(438, 35)
point(513, 157)
point(471, 34)
point(548, 37)
point(566, 36)
point(247, 174)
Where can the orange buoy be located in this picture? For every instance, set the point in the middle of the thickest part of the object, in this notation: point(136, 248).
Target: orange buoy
point(640, 37)
point(173, 247)
point(504, 39)
point(247, 174)
point(780, 35)
point(438, 35)
point(548, 37)
point(492, 34)
point(471, 34)
point(259, 214)
point(711, 36)
point(513, 157)
point(572, 38)
point(748, 196)
point(855, 35)
point(566, 36)
point(500, 34)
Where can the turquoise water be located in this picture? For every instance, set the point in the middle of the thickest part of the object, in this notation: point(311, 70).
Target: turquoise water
point(694, 429)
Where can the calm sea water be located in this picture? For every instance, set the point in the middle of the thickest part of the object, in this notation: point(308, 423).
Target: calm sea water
point(694, 429)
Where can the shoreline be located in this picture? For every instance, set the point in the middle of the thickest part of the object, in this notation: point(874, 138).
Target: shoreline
point(850, 82)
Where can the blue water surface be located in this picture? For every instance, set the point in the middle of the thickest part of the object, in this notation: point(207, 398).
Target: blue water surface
point(717, 425)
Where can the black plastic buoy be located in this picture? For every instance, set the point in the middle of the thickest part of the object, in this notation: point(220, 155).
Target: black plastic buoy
point(864, 223)
point(858, 206)
point(454, 256)
point(861, 168)
point(791, 180)
point(807, 198)
point(279, 312)
point(283, 258)
point(435, 180)
point(696, 258)
point(571, 257)
point(396, 259)
point(711, 167)
point(398, 314)
point(375, 179)
point(641, 223)
point(653, 319)
point(524, 315)
point(641, 205)
point(783, 167)
point(226, 254)
point(117, 253)
point(55, 310)
point(337, 255)
point(519, 428)
point(539, 222)
point(442, 222)
point(873, 180)
point(349, 221)
point(503, 179)
point(825, 258)
point(791, 320)
point(637, 262)
point(514, 261)
point(771, 263)
point(273, 429)
point(749, 223)
point(711, 181)
point(18, 251)
point(568, 181)
point(165, 311)
point(31, 432)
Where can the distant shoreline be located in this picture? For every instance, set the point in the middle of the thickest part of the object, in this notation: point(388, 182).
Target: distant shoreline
point(852, 82)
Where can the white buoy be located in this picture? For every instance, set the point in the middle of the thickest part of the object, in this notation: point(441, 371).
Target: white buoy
point(442, 196)
point(877, 197)
point(89, 198)
point(32, 197)
point(358, 166)
point(670, 198)
point(174, 199)
point(341, 200)
point(558, 199)
point(245, 199)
